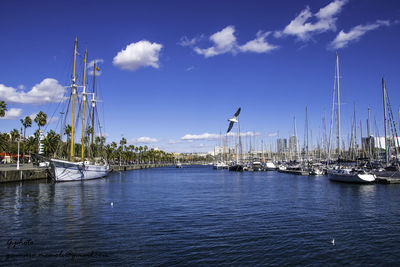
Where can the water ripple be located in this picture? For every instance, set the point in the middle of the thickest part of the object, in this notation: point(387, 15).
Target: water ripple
point(198, 216)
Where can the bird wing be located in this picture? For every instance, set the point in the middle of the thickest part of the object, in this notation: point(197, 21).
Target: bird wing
point(230, 127)
point(237, 113)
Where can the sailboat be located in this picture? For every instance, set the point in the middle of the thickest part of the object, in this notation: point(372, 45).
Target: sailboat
point(71, 170)
point(338, 174)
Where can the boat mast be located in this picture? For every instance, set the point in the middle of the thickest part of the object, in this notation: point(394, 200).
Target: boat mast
point(295, 135)
point(355, 132)
point(338, 99)
point(239, 144)
point(93, 101)
point(369, 134)
point(306, 134)
point(384, 120)
point(332, 117)
point(74, 92)
point(83, 107)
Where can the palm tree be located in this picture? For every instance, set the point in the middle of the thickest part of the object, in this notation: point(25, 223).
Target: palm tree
point(114, 148)
point(14, 134)
point(109, 150)
point(122, 144)
point(27, 122)
point(41, 119)
point(131, 149)
point(3, 108)
point(89, 132)
point(31, 145)
point(99, 145)
point(140, 154)
point(50, 142)
point(67, 132)
point(4, 142)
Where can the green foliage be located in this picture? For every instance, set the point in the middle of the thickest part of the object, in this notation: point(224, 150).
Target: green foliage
point(3, 108)
point(41, 119)
point(27, 122)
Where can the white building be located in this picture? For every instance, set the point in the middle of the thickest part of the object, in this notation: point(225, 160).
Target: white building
point(378, 142)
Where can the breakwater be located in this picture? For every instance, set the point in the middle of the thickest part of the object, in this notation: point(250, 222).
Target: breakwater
point(27, 172)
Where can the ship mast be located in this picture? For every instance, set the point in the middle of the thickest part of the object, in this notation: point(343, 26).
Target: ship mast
point(384, 121)
point(93, 100)
point(74, 92)
point(338, 108)
point(83, 107)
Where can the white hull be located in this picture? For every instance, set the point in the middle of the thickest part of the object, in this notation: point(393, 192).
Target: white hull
point(349, 177)
point(269, 166)
point(77, 171)
point(220, 166)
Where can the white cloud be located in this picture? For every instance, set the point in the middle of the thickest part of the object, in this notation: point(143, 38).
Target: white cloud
point(224, 42)
point(144, 140)
point(273, 134)
point(190, 68)
point(174, 141)
point(211, 136)
point(343, 38)
point(185, 41)
point(303, 28)
point(12, 114)
point(136, 55)
point(258, 45)
point(91, 63)
point(48, 91)
point(204, 136)
point(244, 134)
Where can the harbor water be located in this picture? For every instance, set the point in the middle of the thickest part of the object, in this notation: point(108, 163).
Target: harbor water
point(199, 216)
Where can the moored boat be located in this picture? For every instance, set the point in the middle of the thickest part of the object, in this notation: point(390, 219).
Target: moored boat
point(236, 168)
point(220, 165)
point(270, 166)
point(71, 170)
point(76, 171)
point(350, 176)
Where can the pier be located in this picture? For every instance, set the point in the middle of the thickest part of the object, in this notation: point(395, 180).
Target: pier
point(29, 172)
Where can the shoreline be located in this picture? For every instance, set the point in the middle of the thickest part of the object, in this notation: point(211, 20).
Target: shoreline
point(28, 172)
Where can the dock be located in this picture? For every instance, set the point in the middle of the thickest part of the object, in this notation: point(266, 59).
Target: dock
point(29, 172)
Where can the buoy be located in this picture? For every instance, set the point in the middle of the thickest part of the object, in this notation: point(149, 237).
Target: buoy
point(333, 242)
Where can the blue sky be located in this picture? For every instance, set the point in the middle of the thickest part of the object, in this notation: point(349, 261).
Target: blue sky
point(173, 72)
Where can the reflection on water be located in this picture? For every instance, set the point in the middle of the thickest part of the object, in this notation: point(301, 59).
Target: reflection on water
point(198, 216)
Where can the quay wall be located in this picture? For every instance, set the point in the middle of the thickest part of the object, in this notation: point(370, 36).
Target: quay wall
point(30, 172)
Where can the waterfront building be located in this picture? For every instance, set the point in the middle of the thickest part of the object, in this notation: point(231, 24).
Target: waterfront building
point(378, 142)
point(281, 145)
point(293, 145)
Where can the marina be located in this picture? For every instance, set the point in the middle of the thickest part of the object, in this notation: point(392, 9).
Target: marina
point(200, 133)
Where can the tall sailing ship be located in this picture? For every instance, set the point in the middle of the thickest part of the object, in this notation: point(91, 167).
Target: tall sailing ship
point(86, 168)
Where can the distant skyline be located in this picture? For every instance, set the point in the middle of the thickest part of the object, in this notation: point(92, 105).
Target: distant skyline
point(173, 72)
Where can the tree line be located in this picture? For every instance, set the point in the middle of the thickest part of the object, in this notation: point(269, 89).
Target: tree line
point(53, 145)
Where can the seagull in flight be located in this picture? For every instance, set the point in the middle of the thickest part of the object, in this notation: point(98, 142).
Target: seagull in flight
point(233, 120)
